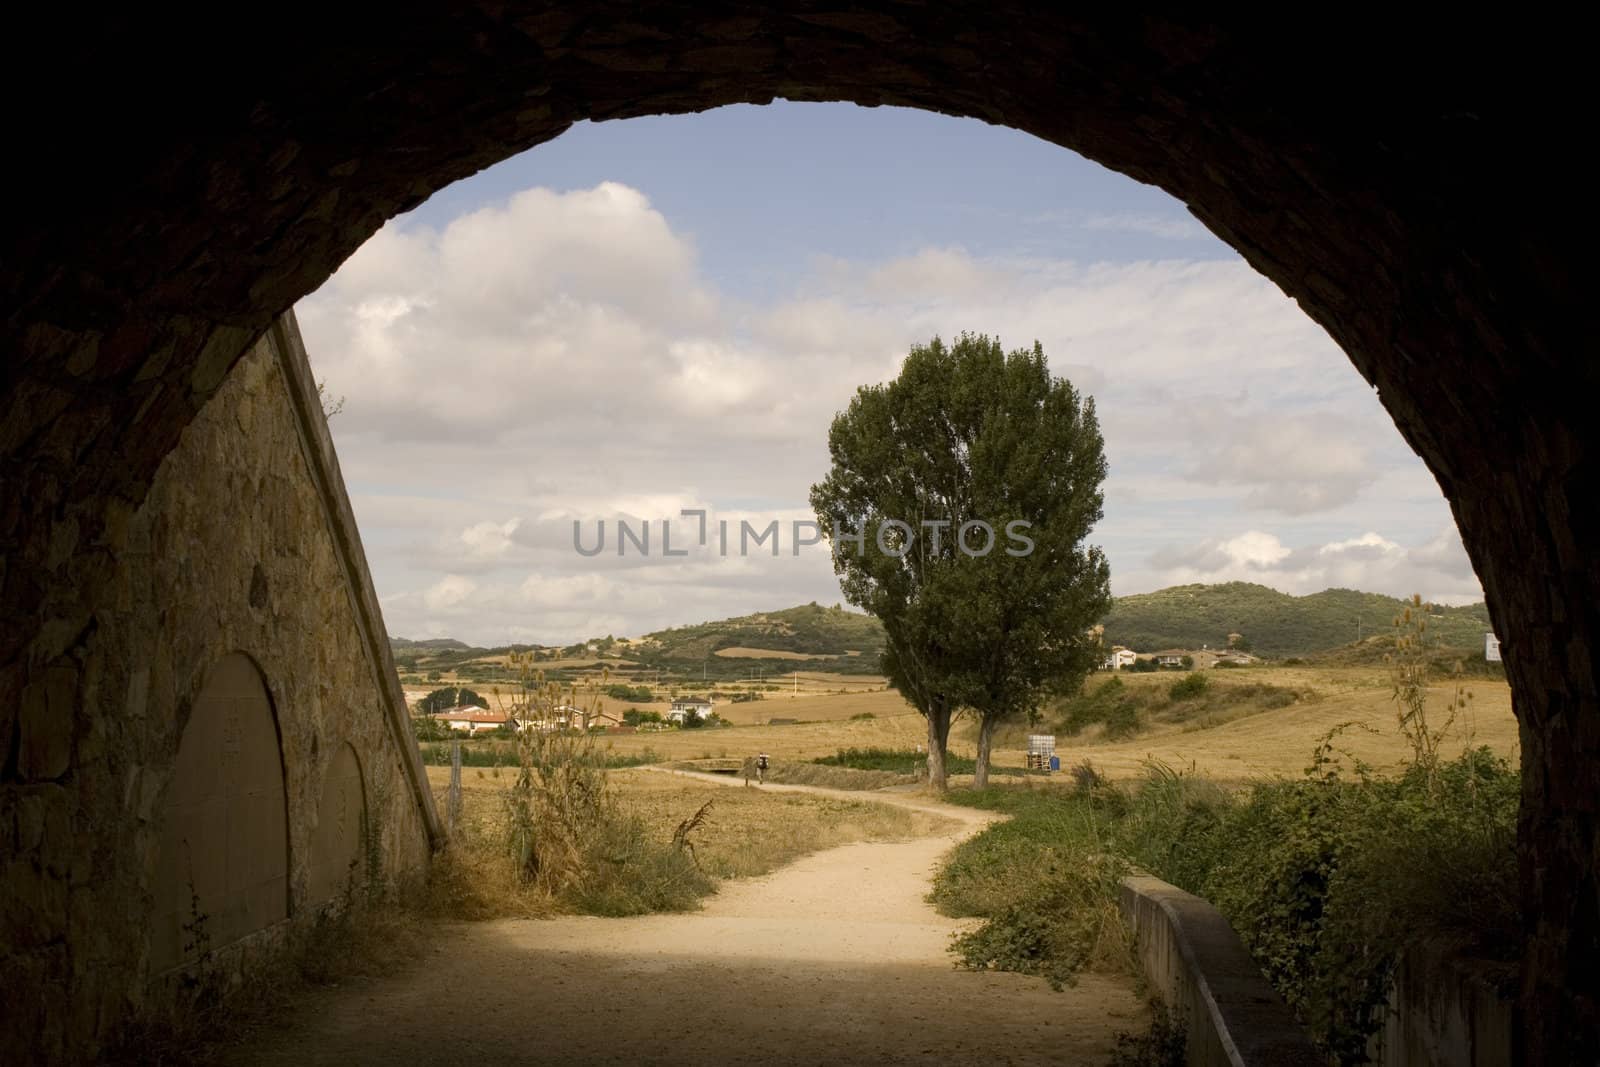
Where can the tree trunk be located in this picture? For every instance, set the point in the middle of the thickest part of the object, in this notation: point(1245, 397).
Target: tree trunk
point(980, 775)
point(938, 737)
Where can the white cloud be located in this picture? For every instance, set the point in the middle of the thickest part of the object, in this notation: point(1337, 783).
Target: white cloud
point(562, 355)
point(1438, 569)
point(449, 593)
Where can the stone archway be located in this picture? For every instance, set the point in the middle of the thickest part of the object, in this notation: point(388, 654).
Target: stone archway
point(223, 869)
point(1409, 182)
point(337, 842)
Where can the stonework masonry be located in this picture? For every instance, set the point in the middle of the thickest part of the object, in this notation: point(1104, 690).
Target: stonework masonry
point(1408, 179)
point(243, 552)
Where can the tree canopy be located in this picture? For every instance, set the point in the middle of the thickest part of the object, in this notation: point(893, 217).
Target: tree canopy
point(956, 506)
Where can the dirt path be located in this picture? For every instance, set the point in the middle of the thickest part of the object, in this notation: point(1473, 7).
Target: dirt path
point(835, 959)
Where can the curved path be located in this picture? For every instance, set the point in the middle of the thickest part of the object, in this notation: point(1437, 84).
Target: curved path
point(834, 959)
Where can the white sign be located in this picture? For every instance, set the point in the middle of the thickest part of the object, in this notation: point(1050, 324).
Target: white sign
point(1491, 648)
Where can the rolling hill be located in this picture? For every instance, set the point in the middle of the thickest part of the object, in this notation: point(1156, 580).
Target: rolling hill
point(810, 631)
point(1274, 623)
point(812, 637)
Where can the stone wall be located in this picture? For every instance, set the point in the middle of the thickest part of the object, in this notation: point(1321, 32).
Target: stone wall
point(243, 552)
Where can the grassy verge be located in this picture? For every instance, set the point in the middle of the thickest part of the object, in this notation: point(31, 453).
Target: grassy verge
point(1328, 879)
point(490, 753)
point(1044, 881)
point(905, 761)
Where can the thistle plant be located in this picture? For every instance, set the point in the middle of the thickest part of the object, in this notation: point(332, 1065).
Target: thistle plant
point(1408, 675)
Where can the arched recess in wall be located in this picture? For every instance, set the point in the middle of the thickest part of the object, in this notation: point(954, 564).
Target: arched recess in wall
point(336, 844)
point(223, 870)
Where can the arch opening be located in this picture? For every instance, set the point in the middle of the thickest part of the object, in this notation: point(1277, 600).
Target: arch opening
point(223, 867)
point(1399, 206)
point(338, 844)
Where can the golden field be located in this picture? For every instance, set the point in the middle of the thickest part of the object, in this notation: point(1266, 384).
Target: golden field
point(1267, 744)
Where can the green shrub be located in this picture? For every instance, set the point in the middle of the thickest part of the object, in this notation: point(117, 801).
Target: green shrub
point(633, 694)
point(1329, 881)
point(1188, 687)
point(903, 761)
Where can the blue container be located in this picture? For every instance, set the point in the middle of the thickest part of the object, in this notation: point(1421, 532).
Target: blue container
point(1055, 763)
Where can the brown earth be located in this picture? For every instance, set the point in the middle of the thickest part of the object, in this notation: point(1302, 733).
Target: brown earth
point(837, 958)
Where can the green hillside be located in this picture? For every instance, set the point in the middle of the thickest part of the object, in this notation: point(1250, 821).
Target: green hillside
point(1274, 623)
point(808, 630)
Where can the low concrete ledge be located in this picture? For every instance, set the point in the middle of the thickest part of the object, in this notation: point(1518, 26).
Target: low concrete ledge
point(1195, 961)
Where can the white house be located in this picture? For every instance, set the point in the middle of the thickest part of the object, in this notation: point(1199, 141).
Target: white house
point(1491, 648)
point(1120, 657)
point(681, 708)
point(472, 719)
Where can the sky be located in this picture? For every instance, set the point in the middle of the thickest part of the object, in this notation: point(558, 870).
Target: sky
point(665, 314)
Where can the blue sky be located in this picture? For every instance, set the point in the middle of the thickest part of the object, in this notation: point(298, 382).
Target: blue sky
point(662, 313)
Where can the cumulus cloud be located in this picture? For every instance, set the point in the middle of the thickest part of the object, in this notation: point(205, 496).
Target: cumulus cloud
point(566, 355)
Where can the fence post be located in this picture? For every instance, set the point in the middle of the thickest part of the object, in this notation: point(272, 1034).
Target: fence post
point(452, 805)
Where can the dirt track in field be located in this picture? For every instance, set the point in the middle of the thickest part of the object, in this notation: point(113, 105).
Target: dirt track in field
point(835, 959)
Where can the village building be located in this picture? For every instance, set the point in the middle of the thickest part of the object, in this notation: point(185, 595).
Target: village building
point(682, 708)
point(472, 719)
point(1120, 658)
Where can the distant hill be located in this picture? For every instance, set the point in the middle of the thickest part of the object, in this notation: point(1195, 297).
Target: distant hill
point(837, 639)
point(809, 630)
point(1274, 623)
point(432, 644)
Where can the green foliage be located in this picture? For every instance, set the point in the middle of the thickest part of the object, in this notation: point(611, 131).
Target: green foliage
point(1164, 1044)
point(487, 753)
point(450, 697)
point(429, 729)
point(901, 761)
point(1189, 687)
point(634, 694)
point(970, 433)
point(1143, 666)
point(1328, 879)
point(634, 717)
point(1044, 882)
point(1197, 700)
point(1189, 616)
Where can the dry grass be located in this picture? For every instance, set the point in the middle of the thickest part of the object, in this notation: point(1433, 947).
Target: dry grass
point(740, 652)
point(755, 831)
point(748, 832)
point(1279, 742)
point(1264, 745)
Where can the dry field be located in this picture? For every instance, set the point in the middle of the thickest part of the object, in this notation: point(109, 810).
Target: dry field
point(749, 831)
point(1268, 744)
point(1279, 743)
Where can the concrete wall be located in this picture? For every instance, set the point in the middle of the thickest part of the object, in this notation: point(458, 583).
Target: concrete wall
point(1443, 1013)
point(1197, 965)
point(224, 725)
